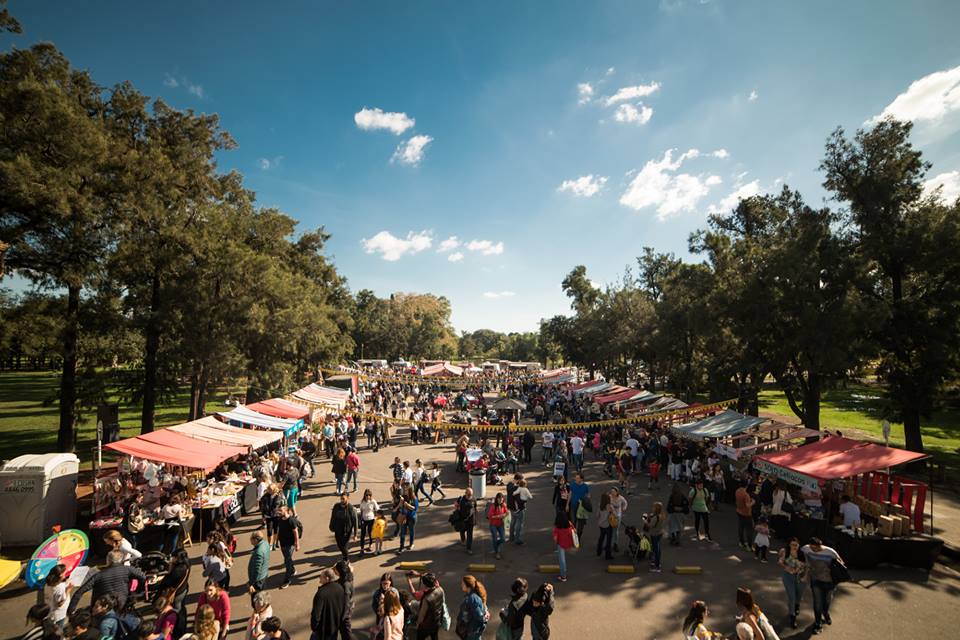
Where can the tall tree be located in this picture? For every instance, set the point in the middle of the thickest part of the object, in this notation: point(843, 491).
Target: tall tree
point(909, 242)
point(56, 206)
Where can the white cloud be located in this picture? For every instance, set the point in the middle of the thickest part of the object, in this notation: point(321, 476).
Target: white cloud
point(658, 185)
point(753, 96)
point(170, 81)
point(270, 163)
point(611, 71)
point(730, 202)
point(949, 184)
point(449, 244)
point(723, 154)
point(455, 257)
point(632, 93)
point(585, 91)
point(196, 90)
point(173, 82)
point(411, 152)
point(392, 248)
point(928, 99)
point(631, 114)
point(373, 119)
point(485, 247)
point(498, 294)
point(584, 186)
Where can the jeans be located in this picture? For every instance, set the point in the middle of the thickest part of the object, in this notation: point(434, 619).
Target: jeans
point(578, 461)
point(562, 558)
point(547, 454)
point(702, 516)
point(435, 486)
point(351, 477)
point(744, 528)
point(516, 525)
point(793, 585)
point(606, 535)
point(408, 527)
point(287, 563)
point(366, 529)
point(343, 544)
point(822, 595)
point(340, 483)
point(421, 491)
point(655, 550)
point(497, 535)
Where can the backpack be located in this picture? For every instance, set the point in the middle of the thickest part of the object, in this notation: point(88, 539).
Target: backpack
point(299, 527)
point(127, 625)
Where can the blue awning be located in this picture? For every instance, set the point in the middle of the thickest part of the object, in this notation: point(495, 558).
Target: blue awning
point(722, 425)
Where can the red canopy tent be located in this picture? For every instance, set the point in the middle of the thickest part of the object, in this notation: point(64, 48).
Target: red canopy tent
point(177, 449)
point(280, 408)
point(835, 458)
point(618, 397)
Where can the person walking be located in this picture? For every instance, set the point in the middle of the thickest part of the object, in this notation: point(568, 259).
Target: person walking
point(345, 578)
point(677, 507)
point(353, 469)
point(547, 446)
point(343, 524)
point(580, 493)
point(432, 605)
point(794, 566)
point(565, 537)
point(339, 467)
point(329, 606)
point(744, 508)
point(819, 558)
point(435, 484)
point(517, 503)
point(288, 536)
point(654, 528)
point(619, 505)
point(407, 516)
point(512, 615)
point(604, 516)
point(473, 615)
point(368, 514)
point(496, 514)
point(114, 580)
point(700, 503)
point(561, 495)
point(528, 441)
point(219, 600)
point(259, 563)
point(539, 607)
point(466, 510)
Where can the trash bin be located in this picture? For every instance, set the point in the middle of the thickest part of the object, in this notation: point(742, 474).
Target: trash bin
point(478, 482)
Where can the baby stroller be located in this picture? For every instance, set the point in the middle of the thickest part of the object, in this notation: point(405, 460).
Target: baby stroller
point(638, 544)
point(497, 469)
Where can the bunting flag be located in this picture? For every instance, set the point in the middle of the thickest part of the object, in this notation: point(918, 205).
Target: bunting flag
point(687, 412)
point(446, 381)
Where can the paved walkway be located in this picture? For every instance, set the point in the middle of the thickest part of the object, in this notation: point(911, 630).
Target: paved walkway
point(887, 603)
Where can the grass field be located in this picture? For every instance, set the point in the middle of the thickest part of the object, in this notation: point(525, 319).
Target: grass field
point(28, 425)
point(856, 411)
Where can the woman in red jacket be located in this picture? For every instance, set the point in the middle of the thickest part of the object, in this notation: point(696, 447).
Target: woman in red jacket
point(496, 513)
point(564, 535)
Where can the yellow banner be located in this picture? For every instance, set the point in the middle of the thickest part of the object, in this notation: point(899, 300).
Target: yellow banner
point(646, 418)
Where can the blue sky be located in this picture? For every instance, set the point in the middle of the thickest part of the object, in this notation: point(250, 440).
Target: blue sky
point(538, 134)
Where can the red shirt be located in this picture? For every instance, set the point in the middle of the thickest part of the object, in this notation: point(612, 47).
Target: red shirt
point(221, 607)
point(496, 516)
point(563, 537)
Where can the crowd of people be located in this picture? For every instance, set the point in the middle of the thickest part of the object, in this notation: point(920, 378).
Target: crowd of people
point(698, 484)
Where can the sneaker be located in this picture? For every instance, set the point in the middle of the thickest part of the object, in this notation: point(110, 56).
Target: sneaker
point(497, 556)
point(285, 585)
point(816, 630)
point(826, 618)
point(764, 561)
point(562, 578)
point(656, 570)
point(469, 552)
point(410, 548)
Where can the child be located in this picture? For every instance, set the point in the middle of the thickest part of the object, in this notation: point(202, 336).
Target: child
point(762, 541)
point(654, 469)
point(379, 528)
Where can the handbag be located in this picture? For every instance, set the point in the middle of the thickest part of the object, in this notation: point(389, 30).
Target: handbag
point(839, 573)
point(613, 520)
point(576, 540)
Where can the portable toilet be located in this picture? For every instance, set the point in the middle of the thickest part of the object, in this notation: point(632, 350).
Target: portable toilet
point(37, 491)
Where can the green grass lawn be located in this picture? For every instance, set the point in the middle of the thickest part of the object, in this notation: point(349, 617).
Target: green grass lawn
point(856, 411)
point(28, 426)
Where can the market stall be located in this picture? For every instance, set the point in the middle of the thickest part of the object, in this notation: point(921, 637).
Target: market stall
point(280, 408)
point(164, 463)
point(243, 416)
point(891, 507)
point(320, 400)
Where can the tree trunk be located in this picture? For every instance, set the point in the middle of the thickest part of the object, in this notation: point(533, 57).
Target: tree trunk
point(194, 392)
point(653, 377)
point(150, 360)
point(811, 402)
point(66, 439)
point(911, 430)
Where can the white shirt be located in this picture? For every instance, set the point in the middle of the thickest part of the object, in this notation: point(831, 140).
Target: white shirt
point(851, 514)
point(548, 439)
point(408, 475)
point(619, 505)
point(633, 445)
point(368, 510)
point(417, 473)
point(56, 598)
point(576, 445)
point(129, 553)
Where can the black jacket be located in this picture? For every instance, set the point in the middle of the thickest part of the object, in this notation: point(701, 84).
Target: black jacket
point(329, 607)
point(343, 520)
point(431, 610)
point(539, 616)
